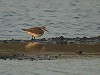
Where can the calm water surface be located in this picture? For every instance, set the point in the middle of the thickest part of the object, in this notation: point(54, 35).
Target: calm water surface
point(68, 18)
point(70, 66)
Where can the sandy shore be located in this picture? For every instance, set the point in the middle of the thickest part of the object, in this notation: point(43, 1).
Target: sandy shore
point(44, 48)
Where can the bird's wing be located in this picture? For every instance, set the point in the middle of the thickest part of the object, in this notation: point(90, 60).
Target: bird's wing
point(36, 30)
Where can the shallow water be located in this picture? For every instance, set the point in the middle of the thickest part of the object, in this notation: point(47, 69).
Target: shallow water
point(68, 66)
point(69, 18)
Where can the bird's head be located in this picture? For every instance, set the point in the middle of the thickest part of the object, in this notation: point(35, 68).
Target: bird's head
point(44, 28)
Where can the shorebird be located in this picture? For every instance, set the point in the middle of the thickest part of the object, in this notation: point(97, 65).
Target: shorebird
point(36, 31)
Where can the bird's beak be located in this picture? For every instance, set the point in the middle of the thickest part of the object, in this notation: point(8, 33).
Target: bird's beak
point(47, 30)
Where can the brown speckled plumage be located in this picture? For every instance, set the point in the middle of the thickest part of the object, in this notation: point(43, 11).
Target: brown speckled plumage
point(36, 31)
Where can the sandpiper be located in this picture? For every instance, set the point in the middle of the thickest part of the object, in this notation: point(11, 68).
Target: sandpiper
point(36, 31)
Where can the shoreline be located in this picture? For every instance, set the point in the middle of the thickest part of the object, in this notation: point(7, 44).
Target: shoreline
point(51, 47)
point(58, 40)
point(36, 47)
point(39, 51)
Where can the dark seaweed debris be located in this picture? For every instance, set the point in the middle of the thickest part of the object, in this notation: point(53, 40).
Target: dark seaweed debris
point(29, 57)
point(58, 40)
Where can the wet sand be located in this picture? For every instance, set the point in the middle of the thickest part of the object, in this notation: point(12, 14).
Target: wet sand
point(45, 48)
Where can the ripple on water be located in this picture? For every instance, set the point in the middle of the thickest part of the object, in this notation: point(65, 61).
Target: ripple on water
point(67, 17)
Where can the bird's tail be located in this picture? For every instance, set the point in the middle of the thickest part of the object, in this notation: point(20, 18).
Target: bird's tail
point(24, 29)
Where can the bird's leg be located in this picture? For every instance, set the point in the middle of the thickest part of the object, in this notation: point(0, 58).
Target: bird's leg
point(32, 38)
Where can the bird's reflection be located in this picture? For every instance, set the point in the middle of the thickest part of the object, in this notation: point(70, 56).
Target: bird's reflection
point(35, 47)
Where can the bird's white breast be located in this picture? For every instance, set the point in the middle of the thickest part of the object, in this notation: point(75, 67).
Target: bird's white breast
point(35, 35)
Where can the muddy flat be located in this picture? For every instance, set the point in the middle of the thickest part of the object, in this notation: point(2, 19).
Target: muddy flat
point(44, 48)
